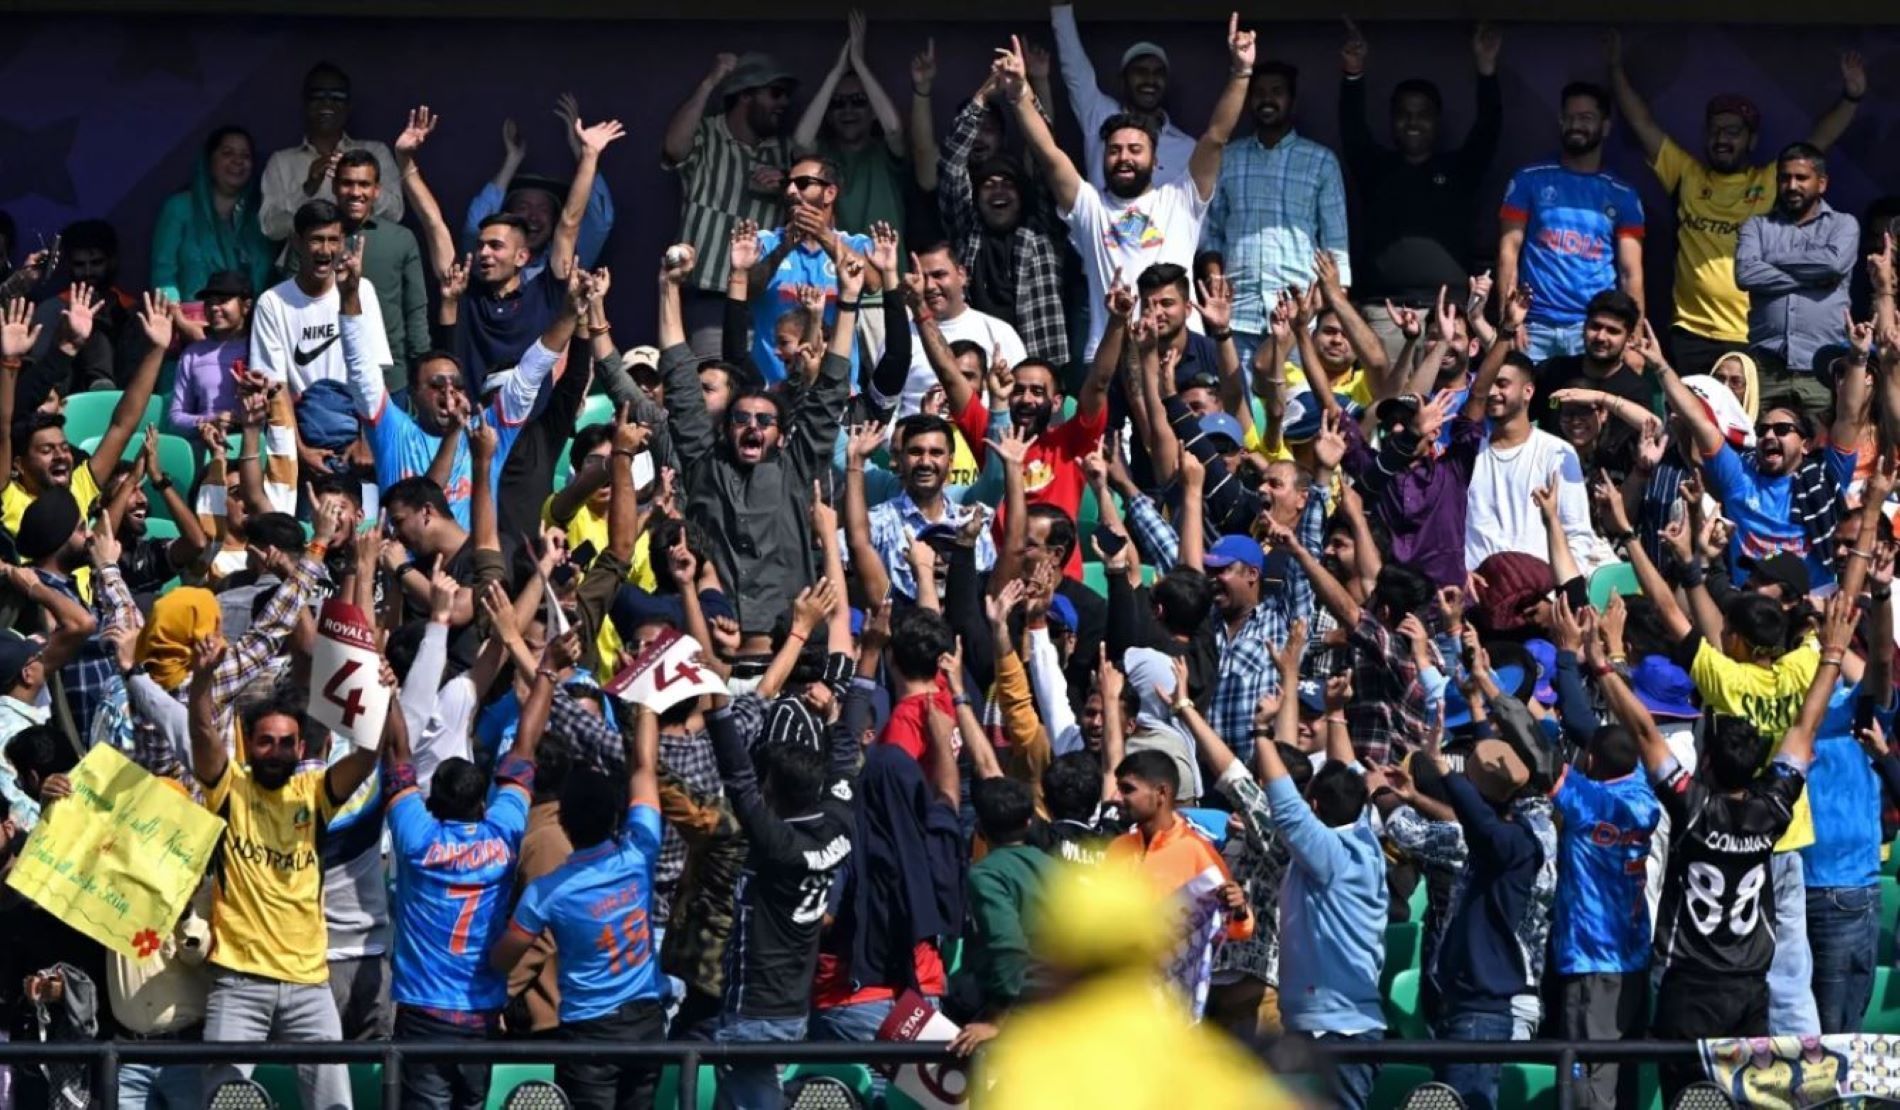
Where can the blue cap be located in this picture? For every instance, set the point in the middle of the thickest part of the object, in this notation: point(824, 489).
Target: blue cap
point(1545, 654)
point(1062, 611)
point(1235, 549)
point(1302, 420)
point(1665, 689)
point(1220, 425)
point(1313, 696)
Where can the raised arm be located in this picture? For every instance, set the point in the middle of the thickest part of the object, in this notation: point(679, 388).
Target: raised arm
point(567, 232)
point(1681, 399)
point(1511, 317)
point(208, 758)
point(18, 334)
point(1365, 343)
point(923, 125)
point(1012, 76)
point(677, 144)
point(156, 322)
point(1204, 163)
point(1629, 102)
point(1609, 501)
point(1834, 122)
point(436, 237)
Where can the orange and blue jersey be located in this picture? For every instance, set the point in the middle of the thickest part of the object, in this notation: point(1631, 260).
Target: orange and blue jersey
point(1571, 224)
point(1602, 914)
point(599, 906)
point(453, 881)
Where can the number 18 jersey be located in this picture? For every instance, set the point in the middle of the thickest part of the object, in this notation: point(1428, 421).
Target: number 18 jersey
point(1718, 902)
point(453, 884)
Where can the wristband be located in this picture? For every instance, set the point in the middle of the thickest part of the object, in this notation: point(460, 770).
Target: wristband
point(1852, 99)
point(849, 306)
point(13, 363)
point(1618, 659)
point(160, 483)
point(316, 549)
point(1222, 335)
point(1601, 670)
point(1882, 595)
point(962, 701)
point(1831, 660)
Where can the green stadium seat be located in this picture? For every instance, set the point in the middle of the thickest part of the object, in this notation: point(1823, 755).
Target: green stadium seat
point(1418, 905)
point(1890, 863)
point(366, 1086)
point(180, 463)
point(1889, 910)
point(1095, 577)
point(88, 415)
point(598, 409)
point(280, 1080)
point(1610, 581)
point(1528, 1087)
point(1405, 1020)
point(1883, 1010)
point(157, 528)
point(1404, 943)
point(1395, 1082)
point(667, 1096)
point(504, 1078)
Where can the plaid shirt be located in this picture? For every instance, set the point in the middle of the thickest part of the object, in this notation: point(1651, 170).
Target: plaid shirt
point(90, 677)
point(1274, 206)
point(259, 648)
point(1040, 318)
point(1258, 861)
point(1386, 714)
point(1247, 671)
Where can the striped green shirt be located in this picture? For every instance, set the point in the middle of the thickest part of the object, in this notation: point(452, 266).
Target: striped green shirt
point(715, 180)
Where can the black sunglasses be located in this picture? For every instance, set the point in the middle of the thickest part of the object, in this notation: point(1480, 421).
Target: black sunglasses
point(807, 181)
point(755, 419)
point(1778, 428)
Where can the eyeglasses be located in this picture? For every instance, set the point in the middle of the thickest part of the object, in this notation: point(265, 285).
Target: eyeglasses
point(807, 181)
point(444, 381)
point(1778, 428)
point(856, 100)
point(755, 419)
point(337, 95)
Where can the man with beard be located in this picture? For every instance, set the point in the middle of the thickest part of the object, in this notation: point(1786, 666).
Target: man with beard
point(297, 175)
point(537, 199)
point(749, 480)
point(806, 253)
point(406, 442)
point(1143, 94)
point(149, 563)
point(925, 447)
point(1014, 269)
point(391, 260)
point(938, 283)
point(270, 981)
point(1131, 223)
point(504, 310)
point(102, 350)
point(1715, 195)
point(294, 324)
point(1610, 324)
point(1777, 498)
point(1570, 229)
point(731, 154)
point(1515, 459)
point(1280, 200)
point(1416, 200)
point(1794, 263)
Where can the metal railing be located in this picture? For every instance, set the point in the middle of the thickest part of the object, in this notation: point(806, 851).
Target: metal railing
point(105, 1057)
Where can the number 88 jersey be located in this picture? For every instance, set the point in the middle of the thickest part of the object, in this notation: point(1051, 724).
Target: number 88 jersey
point(1718, 901)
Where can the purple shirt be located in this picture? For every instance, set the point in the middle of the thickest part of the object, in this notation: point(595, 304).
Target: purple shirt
point(203, 386)
point(1421, 501)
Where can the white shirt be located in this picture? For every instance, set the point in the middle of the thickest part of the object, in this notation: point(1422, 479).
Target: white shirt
point(294, 336)
point(995, 336)
point(1500, 515)
point(1092, 106)
point(289, 168)
point(1161, 225)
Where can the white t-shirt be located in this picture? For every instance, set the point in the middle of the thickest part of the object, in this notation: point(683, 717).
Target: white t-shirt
point(1499, 513)
point(1161, 225)
point(995, 336)
point(294, 335)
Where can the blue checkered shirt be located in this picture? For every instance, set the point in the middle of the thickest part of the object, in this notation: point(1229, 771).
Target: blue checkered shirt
point(890, 519)
point(1247, 671)
point(1273, 208)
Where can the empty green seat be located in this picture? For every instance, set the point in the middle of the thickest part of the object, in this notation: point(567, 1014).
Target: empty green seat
point(1883, 1010)
point(1404, 942)
point(599, 409)
point(1419, 903)
point(1405, 1021)
point(280, 1080)
point(1889, 909)
point(1528, 1086)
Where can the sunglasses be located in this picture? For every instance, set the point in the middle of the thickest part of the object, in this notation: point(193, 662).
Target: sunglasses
point(337, 95)
point(444, 381)
point(1778, 428)
point(807, 181)
point(755, 419)
point(858, 100)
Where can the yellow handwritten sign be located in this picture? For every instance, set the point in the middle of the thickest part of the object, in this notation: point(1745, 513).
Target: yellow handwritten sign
point(120, 858)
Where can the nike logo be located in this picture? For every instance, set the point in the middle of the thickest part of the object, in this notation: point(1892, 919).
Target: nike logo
point(304, 358)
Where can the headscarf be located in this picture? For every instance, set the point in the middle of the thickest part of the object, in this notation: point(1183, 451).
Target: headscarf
point(237, 243)
point(1751, 383)
point(178, 618)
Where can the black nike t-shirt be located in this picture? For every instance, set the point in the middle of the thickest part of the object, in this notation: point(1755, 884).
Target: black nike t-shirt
point(1718, 901)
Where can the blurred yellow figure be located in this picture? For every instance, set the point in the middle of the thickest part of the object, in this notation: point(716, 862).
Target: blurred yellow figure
point(1110, 1034)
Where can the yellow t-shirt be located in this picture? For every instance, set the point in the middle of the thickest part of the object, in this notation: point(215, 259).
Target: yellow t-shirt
point(267, 901)
point(1355, 387)
point(589, 526)
point(1710, 210)
point(14, 501)
point(1771, 697)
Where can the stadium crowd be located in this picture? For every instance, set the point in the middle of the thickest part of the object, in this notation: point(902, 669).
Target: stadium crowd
point(1035, 510)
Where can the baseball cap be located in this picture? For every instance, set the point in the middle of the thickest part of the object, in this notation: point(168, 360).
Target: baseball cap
point(1734, 104)
point(1302, 420)
point(1313, 696)
point(1144, 49)
point(1496, 769)
point(227, 283)
point(1397, 410)
point(1219, 425)
point(16, 653)
point(648, 357)
point(1544, 654)
point(1664, 688)
point(1235, 549)
point(1062, 612)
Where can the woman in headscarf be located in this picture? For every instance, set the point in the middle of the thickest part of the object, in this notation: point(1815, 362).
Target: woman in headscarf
point(212, 226)
point(1737, 371)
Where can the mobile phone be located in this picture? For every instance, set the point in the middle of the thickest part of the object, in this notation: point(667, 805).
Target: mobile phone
point(1863, 713)
point(1110, 541)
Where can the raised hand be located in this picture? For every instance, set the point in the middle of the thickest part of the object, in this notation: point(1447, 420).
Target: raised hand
point(999, 381)
point(999, 606)
point(824, 515)
point(155, 319)
point(349, 268)
point(596, 138)
point(1217, 303)
point(1480, 294)
point(416, 131)
point(18, 332)
point(1329, 447)
point(1880, 269)
point(567, 109)
point(1405, 319)
point(1609, 502)
point(677, 263)
point(455, 281)
point(1010, 70)
point(1036, 57)
point(1240, 46)
point(1294, 650)
point(1515, 310)
point(1860, 334)
point(850, 278)
point(923, 68)
point(1486, 41)
point(1120, 300)
point(1612, 47)
point(1853, 75)
point(483, 442)
point(743, 252)
point(629, 435)
point(884, 247)
point(1352, 52)
point(76, 319)
point(1445, 315)
point(865, 440)
point(1013, 448)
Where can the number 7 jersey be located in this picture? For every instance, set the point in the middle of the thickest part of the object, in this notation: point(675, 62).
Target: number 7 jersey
point(454, 881)
point(1718, 903)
